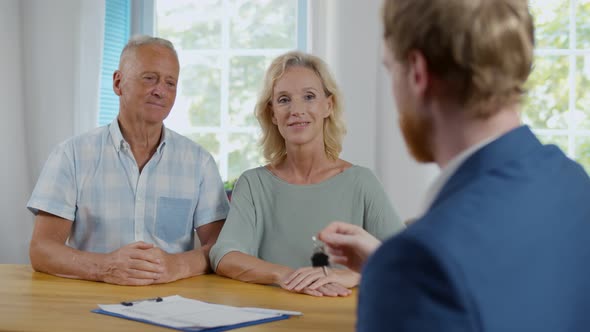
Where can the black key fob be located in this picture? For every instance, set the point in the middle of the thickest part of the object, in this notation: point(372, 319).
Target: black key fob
point(319, 257)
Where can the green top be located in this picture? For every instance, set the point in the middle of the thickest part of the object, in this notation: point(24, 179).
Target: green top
point(275, 220)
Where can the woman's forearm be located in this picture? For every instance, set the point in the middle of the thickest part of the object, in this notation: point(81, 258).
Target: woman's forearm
point(247, 268)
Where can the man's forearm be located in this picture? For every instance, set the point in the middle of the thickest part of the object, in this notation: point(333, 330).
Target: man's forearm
point(61, 260)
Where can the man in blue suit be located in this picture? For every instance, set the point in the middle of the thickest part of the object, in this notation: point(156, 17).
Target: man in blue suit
point(503, 244)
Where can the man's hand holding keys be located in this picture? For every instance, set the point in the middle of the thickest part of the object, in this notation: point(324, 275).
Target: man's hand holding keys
point(348, 244)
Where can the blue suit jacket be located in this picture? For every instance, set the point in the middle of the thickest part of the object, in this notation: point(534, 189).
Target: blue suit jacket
point(504, 247)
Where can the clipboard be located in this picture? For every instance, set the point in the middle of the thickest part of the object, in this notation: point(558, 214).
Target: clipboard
point(191, 310)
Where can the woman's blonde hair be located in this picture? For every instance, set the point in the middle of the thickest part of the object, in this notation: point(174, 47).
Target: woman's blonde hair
point(481, 49)
point(273, 144)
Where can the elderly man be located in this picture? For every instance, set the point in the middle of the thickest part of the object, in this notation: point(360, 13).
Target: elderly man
point(503, 244)
point(120, 204)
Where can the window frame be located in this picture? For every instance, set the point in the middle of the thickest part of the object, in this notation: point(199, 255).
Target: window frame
point(144, 22)
point(572, 52)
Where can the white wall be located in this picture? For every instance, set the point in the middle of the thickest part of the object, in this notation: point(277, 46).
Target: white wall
point(405, 180)
point(15, 222)
point(347, 34)
point(351, 52)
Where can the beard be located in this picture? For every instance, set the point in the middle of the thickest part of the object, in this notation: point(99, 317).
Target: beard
point(417, 132)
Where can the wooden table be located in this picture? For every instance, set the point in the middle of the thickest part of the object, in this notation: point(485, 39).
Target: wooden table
point(33, 301)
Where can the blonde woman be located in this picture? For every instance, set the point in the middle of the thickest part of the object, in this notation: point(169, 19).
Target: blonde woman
point(277, 208)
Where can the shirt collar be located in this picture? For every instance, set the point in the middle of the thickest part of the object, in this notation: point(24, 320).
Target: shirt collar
point(116, 136)
point(119, 142)
point(449, 170)
point(163, 139)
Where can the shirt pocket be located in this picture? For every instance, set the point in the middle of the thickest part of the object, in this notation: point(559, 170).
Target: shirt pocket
point(172, 218)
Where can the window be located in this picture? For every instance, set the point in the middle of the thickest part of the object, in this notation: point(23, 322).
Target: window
point(116, 33)
point(224, 48)
point(558, 102)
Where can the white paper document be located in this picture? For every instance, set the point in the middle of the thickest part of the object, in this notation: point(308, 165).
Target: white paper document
point(179, 312)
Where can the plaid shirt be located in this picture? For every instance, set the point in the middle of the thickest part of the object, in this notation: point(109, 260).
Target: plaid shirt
point(93, 180)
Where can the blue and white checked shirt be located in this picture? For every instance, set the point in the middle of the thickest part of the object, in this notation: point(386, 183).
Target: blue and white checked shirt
point(93, 180)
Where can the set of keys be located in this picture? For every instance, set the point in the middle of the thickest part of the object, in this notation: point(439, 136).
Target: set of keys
point(319, 257)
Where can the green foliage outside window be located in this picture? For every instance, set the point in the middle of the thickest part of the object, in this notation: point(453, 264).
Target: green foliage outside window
point(557, 105)
point(229, 184)
point(224, 48)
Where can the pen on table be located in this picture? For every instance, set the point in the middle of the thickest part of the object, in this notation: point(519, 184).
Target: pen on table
point(272, 311)
point(130, 303)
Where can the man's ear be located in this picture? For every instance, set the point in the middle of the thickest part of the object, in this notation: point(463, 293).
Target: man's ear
point(117, 82)
point(418, 74)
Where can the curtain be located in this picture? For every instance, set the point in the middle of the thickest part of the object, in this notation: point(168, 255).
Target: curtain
point(53, 55)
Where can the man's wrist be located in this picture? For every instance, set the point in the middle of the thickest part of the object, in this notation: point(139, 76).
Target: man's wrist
point(189, 264)
point(100, 268)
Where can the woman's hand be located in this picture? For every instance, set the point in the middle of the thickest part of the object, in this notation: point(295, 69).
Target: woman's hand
point(311, 280)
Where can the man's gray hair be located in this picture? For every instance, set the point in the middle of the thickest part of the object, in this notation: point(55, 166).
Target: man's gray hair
point(140, 40)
